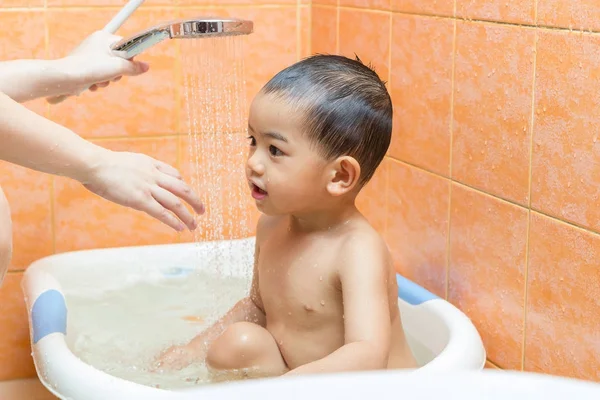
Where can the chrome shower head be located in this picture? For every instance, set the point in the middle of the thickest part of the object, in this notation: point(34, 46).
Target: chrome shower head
point(205, 27)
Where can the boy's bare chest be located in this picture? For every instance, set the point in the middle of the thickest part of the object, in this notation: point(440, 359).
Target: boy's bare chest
point(298, 280)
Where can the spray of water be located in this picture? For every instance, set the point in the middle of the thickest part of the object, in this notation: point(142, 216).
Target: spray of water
point(215, 101)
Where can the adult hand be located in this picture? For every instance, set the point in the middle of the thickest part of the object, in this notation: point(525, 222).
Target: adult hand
point(145, 184)
point(93, 64)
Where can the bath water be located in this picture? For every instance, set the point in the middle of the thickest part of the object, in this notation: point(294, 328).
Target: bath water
point(122, 331)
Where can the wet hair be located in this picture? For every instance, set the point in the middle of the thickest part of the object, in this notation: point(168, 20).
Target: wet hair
point(346, 107)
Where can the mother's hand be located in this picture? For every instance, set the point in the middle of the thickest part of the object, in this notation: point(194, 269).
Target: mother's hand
point(145, 184)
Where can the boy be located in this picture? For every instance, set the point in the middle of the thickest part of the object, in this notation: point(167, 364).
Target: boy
point(323, 295)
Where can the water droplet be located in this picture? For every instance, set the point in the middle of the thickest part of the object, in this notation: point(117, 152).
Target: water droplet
point(321, 278)
point(323, 302)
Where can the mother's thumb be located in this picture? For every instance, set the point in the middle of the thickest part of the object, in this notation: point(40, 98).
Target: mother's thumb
point(132, 68)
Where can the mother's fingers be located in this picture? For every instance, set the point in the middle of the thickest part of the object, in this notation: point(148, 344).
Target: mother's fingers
point(167, 169)
point(180, 189)
point(152, 207)
point(172, 203)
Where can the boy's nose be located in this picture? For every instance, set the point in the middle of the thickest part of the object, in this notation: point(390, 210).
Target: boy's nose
point(255, 165)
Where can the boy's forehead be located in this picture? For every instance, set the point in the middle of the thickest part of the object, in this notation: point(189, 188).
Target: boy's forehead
point(272, 110)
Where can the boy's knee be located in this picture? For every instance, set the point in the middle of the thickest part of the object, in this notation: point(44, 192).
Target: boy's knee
point(238, 347)
point(5, 236)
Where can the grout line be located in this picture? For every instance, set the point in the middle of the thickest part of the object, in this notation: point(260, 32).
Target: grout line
point(310, 26)
point(391, 37)
point(525, 279)
point(531, 130)
point(493, 364)
point(52, 214)
point(388, 173)
point(462, 183)
point(497, 197)
point(51, 189)
point(15, 271)
point(454, 39)
point(367, 9)
point(527, 237)
point(298, 32)
point(287, 5)
point(337, 28)
point(126, 138)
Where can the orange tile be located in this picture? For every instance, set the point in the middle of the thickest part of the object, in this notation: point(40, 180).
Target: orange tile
point(370, 4)
point(372, 200)
point(84, 220)
point(421, 88)
point(563, 310)
point(578, 15)
point(515, 11)
point(566, 139)
point(199, 3)
point(305, 31)
point(229, 207)
point(28, 193)
point(142, 105)
point(417, 227)
point(492, 108)
point(21, 3)
point(115, 3)
point(15, 348)
point(324, 30)
point(325, 2)
point(270, 48)
point(366, 35)
point(26, 41)
point(487, 270)
point(438, 7)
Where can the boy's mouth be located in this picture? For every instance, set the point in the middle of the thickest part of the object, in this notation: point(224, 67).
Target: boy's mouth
point(257, 193)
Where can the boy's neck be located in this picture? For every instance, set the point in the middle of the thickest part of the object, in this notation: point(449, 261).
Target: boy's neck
point(323, 220)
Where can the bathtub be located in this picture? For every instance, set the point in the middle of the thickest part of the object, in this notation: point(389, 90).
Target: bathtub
point(442, 338)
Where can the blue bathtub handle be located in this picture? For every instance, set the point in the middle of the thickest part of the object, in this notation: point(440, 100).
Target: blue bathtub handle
point(412, 293)
point(48, 315)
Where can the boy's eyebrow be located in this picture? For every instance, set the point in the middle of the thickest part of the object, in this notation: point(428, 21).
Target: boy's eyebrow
point(276, 136)
point(273, 135)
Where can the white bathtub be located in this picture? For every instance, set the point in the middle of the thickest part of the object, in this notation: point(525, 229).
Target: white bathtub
point(431, 323)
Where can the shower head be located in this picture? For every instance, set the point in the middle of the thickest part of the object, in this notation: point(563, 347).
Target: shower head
point(182, 29)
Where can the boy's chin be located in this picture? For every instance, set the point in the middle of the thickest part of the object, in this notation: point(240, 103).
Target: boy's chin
point(269, 211)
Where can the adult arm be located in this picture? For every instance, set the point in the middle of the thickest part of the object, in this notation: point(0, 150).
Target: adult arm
point(91, 65)
point(130, 179)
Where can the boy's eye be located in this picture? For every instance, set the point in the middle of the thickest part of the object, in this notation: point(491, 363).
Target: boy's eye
point(252, 140)
point(275, 151)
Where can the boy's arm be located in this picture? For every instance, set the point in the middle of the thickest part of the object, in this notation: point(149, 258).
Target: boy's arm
point(249, 309)
point(364, 279)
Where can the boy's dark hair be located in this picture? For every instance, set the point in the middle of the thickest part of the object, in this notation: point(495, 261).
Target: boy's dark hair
point(347, 109)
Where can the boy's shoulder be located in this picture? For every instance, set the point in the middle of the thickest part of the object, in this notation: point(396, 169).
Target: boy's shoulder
point(362, 242)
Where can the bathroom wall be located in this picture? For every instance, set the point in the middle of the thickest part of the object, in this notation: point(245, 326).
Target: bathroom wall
point(142, 114)
point(489, 195)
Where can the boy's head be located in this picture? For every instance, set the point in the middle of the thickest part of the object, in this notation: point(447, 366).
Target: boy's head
point(331, 116)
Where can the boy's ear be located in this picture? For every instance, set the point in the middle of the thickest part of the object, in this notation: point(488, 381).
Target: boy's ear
point(343, 175)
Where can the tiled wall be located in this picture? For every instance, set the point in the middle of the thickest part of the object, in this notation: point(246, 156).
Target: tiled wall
point(143, 114)
point(488, 196)
point(490, 192)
